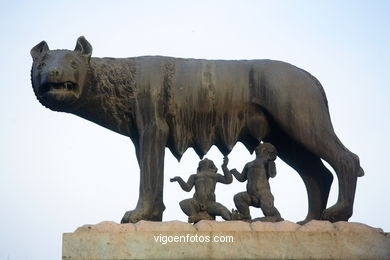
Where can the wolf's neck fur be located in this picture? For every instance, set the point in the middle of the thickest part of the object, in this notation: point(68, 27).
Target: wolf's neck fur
point(108, 98)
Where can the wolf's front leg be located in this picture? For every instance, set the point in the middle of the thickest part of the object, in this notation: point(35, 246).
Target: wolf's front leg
point(150, 149)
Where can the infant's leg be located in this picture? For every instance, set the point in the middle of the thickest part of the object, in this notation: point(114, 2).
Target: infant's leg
point(242, 201)
point(190, 207)
point(217, 209)
point(267, 206)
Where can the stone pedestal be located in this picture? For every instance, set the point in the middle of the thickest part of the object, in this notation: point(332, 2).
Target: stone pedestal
point(226, 240)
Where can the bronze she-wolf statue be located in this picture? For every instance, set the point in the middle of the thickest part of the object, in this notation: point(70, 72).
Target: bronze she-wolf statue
point(179, 103)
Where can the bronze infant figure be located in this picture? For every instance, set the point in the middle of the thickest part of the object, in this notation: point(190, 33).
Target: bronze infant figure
point(203, 205)
point(258, 194)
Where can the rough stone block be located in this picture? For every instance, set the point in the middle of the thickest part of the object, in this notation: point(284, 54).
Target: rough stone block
point(344, 226)
point(258, 240)
point(167, 226)
point(278, 226)
point(107, 226)
point(226, 226)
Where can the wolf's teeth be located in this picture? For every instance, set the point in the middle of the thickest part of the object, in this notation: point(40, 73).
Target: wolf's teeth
point(69, 85)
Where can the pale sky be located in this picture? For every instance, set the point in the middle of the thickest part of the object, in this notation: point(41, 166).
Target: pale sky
point(58, 171)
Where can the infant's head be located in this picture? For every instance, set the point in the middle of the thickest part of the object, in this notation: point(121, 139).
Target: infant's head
point(266, 150)
point(206, 164)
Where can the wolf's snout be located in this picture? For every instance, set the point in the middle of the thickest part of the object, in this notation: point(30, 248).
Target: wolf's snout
point(55, 74)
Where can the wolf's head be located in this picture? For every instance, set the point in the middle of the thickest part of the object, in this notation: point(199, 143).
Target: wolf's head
point(59, 77)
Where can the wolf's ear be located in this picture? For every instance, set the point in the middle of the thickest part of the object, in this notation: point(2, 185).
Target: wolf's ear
point(39, 49)
point(84, 47)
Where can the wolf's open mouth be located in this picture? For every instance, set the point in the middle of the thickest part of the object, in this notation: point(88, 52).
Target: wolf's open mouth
point(57, 86)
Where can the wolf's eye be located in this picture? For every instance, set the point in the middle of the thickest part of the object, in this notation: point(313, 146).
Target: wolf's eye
point(41, 65)
point(74, 64)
